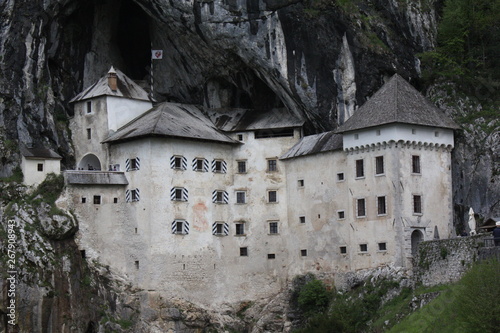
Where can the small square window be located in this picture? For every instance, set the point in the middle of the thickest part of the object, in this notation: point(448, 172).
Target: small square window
point(272, 196)
point(273, 228)
point(134, 164)
point(356, 136)
point(84, 200)
point(340, 176)
point(303, 253)
point(180, 227)
point(360, 168)
point(417, 204)
point(136, 264)
point(218, 166)
point(220, 197)
point(271, 256)
point(177, 162)
point(343, 249)
point(379, 165)
point(241, 197)
point(97, 199)
point(436, 134)
point(89, 133)
point(243, 252)
point(240, 228)
point(242, 166)
point(360, 208)
point(413, 131)
point(382, 246)
point(341, 214)
point(135, 195)
point(39, 167)
point(363, 247)
point(240, 137)
point(272, 165)
point(200, 165)
point(377, 132)
point(300, 183)
point(302, 219)
point(115, 200)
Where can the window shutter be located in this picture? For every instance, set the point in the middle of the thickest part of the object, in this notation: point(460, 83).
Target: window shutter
point(214, 228)
point(127, 164)
point(127, 195)
point(172, 162)
point(137, 195)
point(184, 163)
point(225, 228)
point(214, 196)
point(137, 163)
point(194, 164)
point(174, 226)
point(225, 197)
point(224, 167)
point(172, 193)
point(213, 165)
point(184, 194)
point(205, 165)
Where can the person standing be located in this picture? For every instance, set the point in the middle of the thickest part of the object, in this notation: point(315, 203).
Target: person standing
point(496, 234)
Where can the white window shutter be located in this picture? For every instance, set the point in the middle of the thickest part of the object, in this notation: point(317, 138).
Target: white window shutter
point(224, 167)
point(205, 165)
point(137, 163)
point(127, 164)
point(127, 195)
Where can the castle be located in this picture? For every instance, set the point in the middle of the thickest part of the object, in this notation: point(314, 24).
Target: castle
point(224, 205)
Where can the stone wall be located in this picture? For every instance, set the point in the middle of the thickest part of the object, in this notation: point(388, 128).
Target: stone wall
point(444, 261)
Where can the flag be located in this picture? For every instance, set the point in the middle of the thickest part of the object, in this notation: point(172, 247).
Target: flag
point(156, 54)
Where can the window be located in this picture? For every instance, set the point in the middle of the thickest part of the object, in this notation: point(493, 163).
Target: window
point(240, 228)
point(381, 206)
point(178, 163)
point(274, 133)
point(132, 195)
point(377, 132)
point(220, 197)
point(84, 200)
point(97, 199)
point(356, 136)
point(272, 165)
point(417, 204)
point(115, 200)
point(343, 249)
point(360, 208)
point(341, 214)
point(219, 166)
point(363, 247)
point(242, 166)
point(200, 165)
point(220, 229)
point(89, 107)
point(114, 167)
point(241, 197)
point(340, 177)
point(300, 183)
point(303, 253)
point(132, 164)
point(436, 134)
point(379, 165)
point(360, 169)
point(89, 133)
point(136, 263)
point(415, 164)
point(180, 227)
point(239, 136)
point(413, 131)
point(272, 196)
point(271, 256)
point(39, 167)
point(273, 227)
point(382, 246)
point(302, 219)
point(179, 194)
point(243, 252)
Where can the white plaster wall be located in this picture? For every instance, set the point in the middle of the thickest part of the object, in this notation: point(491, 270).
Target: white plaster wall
point(398, 132)
point(30, 171)
point(123, 110)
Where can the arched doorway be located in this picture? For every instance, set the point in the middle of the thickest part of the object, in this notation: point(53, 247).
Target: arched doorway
point(416, 237)
point(89, 162)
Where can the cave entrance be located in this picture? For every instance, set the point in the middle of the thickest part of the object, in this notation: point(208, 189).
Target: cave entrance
point(134, 43)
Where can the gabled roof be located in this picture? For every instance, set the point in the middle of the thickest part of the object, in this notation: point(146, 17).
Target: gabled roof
point(125, 88)
point(171, 120)
point(397, 102)
point(39, 153)
point(313, 144)
point(234, 120)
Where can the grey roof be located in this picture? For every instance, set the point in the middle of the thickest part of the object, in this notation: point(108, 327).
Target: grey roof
point(95, 178)
point(125, 88)
point(397, 102)
point(171, 120)
point(39, 153)
point(234, 120)
point(313, 144)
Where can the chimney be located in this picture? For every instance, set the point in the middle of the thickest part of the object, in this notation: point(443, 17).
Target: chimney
point(112, 79)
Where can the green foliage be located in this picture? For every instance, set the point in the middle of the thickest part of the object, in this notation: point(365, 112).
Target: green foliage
point(50, 189)
point(17, 176)
point(443, 251)
point(313, 297)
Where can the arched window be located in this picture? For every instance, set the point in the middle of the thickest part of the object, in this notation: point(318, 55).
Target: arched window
point(416, 238)
point(89, 162)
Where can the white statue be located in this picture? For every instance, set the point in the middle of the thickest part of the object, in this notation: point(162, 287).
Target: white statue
point(472, 222)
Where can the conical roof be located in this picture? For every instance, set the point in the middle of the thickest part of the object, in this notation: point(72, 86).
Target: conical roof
point(397, 102)
point(125, 88)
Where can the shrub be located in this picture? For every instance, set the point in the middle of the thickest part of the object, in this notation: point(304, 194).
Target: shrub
point(313, 298)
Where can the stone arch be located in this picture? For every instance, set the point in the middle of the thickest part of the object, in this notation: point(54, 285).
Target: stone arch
point(416, 237)
point(89, 162)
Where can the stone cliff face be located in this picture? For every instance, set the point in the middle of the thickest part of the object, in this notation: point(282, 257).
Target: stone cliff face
point(319, 58)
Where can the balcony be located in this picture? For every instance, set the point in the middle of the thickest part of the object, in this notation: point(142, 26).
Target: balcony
point(91, 177)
